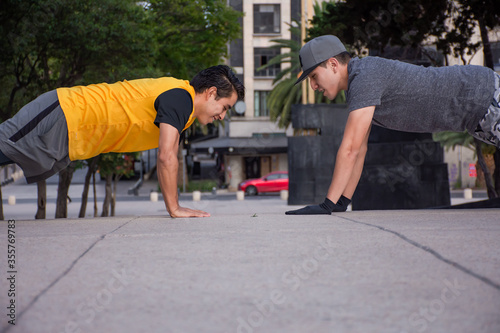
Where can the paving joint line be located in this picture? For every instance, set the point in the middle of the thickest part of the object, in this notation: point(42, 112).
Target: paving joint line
point(63, 274)
point(432, 252)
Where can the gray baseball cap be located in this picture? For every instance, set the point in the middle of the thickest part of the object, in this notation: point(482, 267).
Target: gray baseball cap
point(317, 50)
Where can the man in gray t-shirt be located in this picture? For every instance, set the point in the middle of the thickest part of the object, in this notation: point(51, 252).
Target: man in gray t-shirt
point(398, 96)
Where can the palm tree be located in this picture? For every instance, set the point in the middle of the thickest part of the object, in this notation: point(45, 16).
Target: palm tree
point(285, 93)
point(452, 139)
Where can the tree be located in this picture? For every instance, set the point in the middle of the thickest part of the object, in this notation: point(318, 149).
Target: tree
point(113, 166)
point(465, 17)
point(65, 177)
point(377, 24)
point(1, 205)
point(285, 93)
point(41, 200)
point(192, 35)
point(91, 170)
point(52, 43)
point(457, 37)
point(487, 15)
point(452, 139)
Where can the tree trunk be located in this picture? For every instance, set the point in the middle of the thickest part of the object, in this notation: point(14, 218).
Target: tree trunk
point(496, 173)
point(1, 205)
point(488, 62)
point(488, 56)
point(107, 196)
point(96, 211)
point(42, 199)
point(487, 176)
point(86, 186)
point(113, 200)
point(65, 177)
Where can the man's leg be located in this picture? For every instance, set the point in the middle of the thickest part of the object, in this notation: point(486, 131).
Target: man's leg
point(488, 129)
point(4, 160)
point(36, 138)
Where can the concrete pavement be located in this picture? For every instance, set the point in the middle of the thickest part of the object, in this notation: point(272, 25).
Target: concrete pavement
point(250, 268)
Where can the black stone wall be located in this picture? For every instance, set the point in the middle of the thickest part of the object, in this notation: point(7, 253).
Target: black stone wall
point(311, 159)
point(402, 170)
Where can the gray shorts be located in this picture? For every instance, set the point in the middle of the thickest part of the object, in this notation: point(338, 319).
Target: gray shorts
point(488, 129)
point(36, 138)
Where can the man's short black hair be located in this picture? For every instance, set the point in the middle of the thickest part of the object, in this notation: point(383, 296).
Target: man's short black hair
point(343, 58)
point(221, 77)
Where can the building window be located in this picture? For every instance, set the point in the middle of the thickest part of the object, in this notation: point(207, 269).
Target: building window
point(266, 19)
point(260, 103)
point(261, 58)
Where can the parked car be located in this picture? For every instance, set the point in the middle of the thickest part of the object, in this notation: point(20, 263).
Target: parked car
point(272, 182)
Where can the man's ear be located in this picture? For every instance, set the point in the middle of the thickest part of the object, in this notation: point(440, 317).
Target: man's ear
point(211, 92)
point(334, 63)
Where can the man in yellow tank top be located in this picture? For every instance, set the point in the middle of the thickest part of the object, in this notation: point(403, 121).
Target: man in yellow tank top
point(77, 123)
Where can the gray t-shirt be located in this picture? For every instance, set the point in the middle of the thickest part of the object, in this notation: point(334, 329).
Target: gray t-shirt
point(420, 99)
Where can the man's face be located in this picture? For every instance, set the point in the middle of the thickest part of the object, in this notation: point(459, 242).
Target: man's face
point(325, 80)
point(216, 109)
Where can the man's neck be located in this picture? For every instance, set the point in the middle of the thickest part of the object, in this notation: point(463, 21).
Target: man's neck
point(344, 78)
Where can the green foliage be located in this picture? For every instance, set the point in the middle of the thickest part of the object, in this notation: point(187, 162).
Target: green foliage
point(52, 43)
point(118, 164)
point(465, 16)
point(285, 93)
point(205, 185)
point(449, 140)
point(280, 100)
point(48, 44)
point(376, 24)
point(192, 35)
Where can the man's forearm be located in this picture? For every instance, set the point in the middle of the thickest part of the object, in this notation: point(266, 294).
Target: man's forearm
point(349, 165)
point(355, 175)
point(342, 173)
point(167, 168)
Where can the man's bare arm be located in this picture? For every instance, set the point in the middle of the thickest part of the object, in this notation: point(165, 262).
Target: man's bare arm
point(348, 166)
point(167, 167)
point(351, 154)
point(358, 169)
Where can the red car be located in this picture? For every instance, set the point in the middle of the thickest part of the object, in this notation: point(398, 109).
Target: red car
point(272, 182)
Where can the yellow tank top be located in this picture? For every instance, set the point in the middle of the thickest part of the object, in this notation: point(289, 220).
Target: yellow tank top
point(116, 117)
